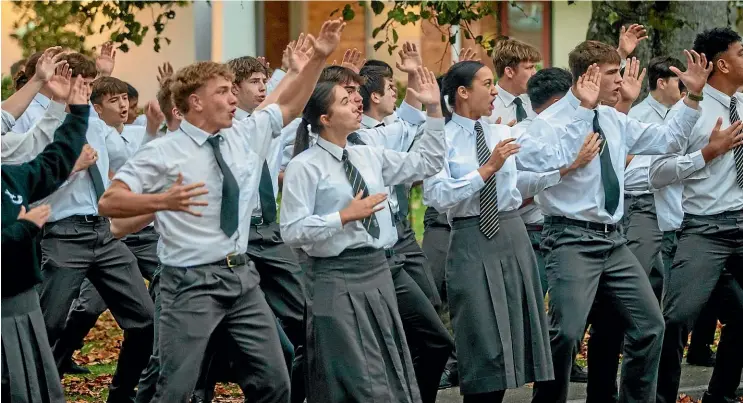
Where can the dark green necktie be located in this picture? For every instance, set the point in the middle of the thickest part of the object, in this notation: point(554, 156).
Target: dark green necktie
point(608, 175)
point(358, 185)
point(228, 216)
point(97, 179)
point(265, 193)
point(520, 111)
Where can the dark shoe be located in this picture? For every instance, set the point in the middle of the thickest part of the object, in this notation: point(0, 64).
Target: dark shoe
point(449, 379)
point(76, 369)
point(701, 357)
point(578, 374)
point(707, 398)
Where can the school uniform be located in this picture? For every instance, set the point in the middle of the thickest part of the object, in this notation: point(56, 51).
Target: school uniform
point(509, 107)
point(89, 305)
point(495, 299)
point(20, 147)
point(35, 110)
point(710, 248)
point(428, 339)
point(586, 256)
point(282, 279)
point(356, 345)
point(207, 280)
point(28, 371)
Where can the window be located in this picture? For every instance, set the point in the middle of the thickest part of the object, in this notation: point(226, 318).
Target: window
point(528, 21)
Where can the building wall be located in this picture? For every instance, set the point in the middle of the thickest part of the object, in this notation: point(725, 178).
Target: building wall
point(569, 28)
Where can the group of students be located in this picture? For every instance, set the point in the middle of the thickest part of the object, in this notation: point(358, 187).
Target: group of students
point(539, 182)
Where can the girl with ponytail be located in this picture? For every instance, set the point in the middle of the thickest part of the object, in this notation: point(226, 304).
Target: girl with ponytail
point(492, 282)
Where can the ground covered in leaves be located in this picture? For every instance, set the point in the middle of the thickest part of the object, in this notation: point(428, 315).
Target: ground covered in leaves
point(102, 348)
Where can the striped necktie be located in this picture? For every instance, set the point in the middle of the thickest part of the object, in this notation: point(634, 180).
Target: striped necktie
point(489, 223)
point(737, 151)
point(358, 185)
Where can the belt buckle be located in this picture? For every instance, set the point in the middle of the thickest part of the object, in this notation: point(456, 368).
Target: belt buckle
point(257, 223)
point(88, 219)
point(228, 259)
point(606, 228)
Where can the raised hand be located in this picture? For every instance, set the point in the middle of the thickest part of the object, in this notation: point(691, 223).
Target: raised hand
point(87, 158)
point(180, 197)
point(410, 58)
point(360, 208)
point(298, 54)
point(163, 72)
point(59, 84)
point(352, 60)
point(79, 92)
point(697, 71)
point(468, 54)
point(106, 59)
point(155, 116)
point(632, 80)
point(501, 152)
point(428, 92)
point(588, 87)
point(629, 38)
point(37, 215)
point(262, 60)
point(722, 141)
point(329, 38)
point(49, 63)
point(589, 150)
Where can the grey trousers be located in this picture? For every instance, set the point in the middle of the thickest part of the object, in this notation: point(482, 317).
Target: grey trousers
point(194, 302)
point(709, 256)
point(584, 265)
point(148, 379)
point(87, 307)
point(74, 249)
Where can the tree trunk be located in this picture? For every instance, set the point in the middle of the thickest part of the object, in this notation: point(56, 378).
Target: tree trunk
point(672, 26)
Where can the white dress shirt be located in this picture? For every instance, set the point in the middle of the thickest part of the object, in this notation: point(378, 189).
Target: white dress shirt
point(316, 189)
point(18, 148)
point(708, 189)
point(141, 120)
point(556, 136)
point(8, 121)
point(187, 240)
point(505, 108)
point(455, 190)
point(77, 196)
point(637, 175)
point(409, 120)
point(32, 114)
point(122, 146)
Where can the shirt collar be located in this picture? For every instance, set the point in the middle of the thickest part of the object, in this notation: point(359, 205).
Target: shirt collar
point(504, 95)
point(571, 99)
point(717, 95)
point(657, 106)
point(368, 121)
point(42, 100)
point(196, 134)
point(466, 123)
point(331, 148)
point(241, 114)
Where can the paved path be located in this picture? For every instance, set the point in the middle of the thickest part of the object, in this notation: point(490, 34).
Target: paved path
point(693, 382)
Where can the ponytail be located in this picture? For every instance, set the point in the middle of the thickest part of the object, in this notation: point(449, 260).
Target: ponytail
point(302, 140)
point(20, 79)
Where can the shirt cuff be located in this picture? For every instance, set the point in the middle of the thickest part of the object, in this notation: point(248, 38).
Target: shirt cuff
point(435, 123)
point(334, 220)
point(552, 179)
point(691, 112)
point(409, 114)
point(584, 114)
point(56, 110)
point(697, 159)
point(475, 180)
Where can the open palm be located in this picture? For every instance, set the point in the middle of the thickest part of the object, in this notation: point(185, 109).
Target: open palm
point(410, 58)
point(106, 60)
point(632, 80)
point(588, 87)
point(428, 92)
point(697, 71)
point(329, 38)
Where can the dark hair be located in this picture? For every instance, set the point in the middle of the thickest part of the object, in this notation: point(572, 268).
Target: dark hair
point(340, 75)
point(374, 63)
point(131, 92)
point(659, 67)
point(546, 84)
point(106, 86)
point(588, 53)
point(373, 83)
point(318, 105)
point(714, 42)
point(81, 65)
point(459, 75)
point(17, 66)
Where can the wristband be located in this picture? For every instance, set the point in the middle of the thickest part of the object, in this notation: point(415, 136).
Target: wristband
point(694, 97)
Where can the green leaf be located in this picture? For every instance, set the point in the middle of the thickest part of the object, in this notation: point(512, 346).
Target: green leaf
point(425, 14)
point(376, 30)
point(394, 35)
point(467, 34)
point(613, 17)
point(124, 47)
point(378, 45)
point(453, 39)
point(348, 13)
point(377, 7)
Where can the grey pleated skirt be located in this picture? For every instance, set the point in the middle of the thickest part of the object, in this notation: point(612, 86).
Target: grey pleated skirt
point(497, 307)
point(29, 374)
point(356, 347)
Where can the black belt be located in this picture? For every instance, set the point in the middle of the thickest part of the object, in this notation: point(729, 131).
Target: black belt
point(534, 227)
point(231, 261)
point(256, 221)
point(85, 219)
point(388, 253)
point(593, 226)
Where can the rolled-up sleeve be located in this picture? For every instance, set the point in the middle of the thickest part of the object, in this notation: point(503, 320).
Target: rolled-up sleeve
point(670, 169)
point(145, 172)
